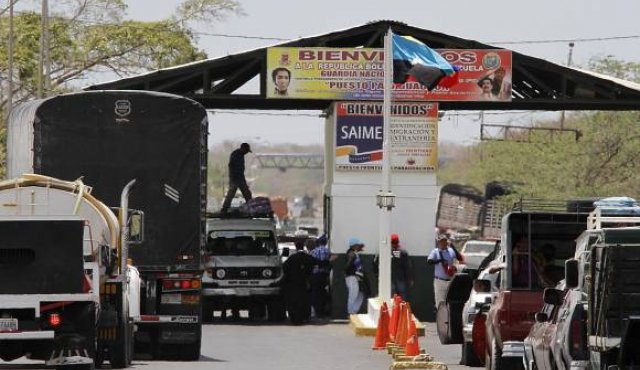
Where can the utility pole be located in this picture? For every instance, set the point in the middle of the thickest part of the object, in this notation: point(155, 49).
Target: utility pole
point(10, 61)
point(569, 61)
point(44, 63)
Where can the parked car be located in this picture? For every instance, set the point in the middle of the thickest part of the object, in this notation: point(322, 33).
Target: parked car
point(449, 315)
point(569, 349)
point(482, 294)
point(474, 252)
point(538, 344)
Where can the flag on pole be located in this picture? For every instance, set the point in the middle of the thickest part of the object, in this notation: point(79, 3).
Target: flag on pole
point(415, 61)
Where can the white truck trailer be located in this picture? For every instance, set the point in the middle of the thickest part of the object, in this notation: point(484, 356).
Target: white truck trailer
point(67, 294)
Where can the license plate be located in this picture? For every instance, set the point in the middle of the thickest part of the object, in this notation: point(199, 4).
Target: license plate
point(243, 293)
point(171, 299)
point(8, 325)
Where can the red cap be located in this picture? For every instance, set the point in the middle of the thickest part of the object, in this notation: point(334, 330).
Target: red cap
point(395, 238)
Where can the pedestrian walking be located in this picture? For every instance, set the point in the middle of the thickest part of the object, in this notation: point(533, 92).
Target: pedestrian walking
point(401, 274)
point(320, 278)
point(236, 176)
point(442, 257)
point(354, 276)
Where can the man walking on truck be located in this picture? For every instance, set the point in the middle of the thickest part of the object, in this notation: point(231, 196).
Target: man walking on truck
point(236, 176)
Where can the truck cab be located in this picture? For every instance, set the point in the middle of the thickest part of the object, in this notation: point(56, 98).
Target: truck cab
point(243, 268)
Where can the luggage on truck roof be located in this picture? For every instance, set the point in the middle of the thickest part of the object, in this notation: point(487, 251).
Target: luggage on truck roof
point(258, 207)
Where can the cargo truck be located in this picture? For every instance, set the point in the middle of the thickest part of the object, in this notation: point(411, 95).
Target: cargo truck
point(108, 138)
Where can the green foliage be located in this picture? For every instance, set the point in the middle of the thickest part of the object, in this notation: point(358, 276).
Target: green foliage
point(89, 36)
point(605, 161)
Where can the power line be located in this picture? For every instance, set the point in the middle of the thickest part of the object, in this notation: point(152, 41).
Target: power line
point(239, 36)
point(267, 114)
point(552, 41)
point(251, 37)
point(549, 41)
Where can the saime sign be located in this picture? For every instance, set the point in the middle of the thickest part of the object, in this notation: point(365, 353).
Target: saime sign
point(413, 140)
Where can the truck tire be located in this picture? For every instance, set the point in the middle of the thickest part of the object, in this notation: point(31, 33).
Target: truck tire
point(257, 311)
point(276, 310)
point(190, 352)
point(469, 357)
point(207, 312)
point(442, 323)
point(76, 367)
point(495, 360)
point(121, 353)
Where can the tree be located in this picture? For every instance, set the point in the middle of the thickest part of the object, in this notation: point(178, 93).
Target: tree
point(88, 37)
point(604, 162)
point(91, 36)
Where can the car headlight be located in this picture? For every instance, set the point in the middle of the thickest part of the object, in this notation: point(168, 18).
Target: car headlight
point(221, 273)
point(267, 273)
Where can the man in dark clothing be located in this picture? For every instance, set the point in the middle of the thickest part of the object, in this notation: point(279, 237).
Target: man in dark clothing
point(401, 276)
point(236, 176)
point(295, 283)
point(320, 278)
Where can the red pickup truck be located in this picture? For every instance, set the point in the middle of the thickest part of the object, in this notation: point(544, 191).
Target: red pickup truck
point(535, 247)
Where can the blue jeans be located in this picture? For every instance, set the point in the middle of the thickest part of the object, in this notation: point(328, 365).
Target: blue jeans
point(399, 287)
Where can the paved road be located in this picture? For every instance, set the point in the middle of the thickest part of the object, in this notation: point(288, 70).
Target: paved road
point(312, 347)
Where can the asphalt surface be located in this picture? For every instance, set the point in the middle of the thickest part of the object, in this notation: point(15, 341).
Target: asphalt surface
point(317, 346)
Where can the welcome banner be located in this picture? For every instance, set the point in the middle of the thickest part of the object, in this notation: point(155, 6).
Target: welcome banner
point(359, 136)
point(358, 74)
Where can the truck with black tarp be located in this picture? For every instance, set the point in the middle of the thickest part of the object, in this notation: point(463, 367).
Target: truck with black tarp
point(108, 138)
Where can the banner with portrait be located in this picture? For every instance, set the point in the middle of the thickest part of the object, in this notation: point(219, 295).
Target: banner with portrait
point(413, 139)
point(358, 74)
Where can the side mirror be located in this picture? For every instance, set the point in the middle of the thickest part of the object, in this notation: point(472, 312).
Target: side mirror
point(482, 285)
point(552, 296)
point(541, 317)
point(571, 273)
point(285, 252)
point(136, 226)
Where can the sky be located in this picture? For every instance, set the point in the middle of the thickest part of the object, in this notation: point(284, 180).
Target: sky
point(491, 21)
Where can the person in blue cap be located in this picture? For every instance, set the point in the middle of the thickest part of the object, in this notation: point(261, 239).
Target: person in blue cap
point(354, 276)
point(320, 278)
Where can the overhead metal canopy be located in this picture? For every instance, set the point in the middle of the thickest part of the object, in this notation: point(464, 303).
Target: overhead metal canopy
point(537, 84)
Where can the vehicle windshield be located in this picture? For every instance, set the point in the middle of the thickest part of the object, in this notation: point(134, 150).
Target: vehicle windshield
point(540, 265)
point(481, 248)
point(241, 243)
point(473, 262)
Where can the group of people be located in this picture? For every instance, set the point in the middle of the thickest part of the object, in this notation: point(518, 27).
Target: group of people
point(306, 279)
point(442, 257)
point(306, 273)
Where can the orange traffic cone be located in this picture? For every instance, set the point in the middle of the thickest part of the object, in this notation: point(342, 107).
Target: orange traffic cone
point(401, 334)
point(412, 347)
point(382, 332)
point(395, 316)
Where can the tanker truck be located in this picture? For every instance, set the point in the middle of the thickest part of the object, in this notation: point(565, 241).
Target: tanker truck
point(67, 295)
point(108, 138)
